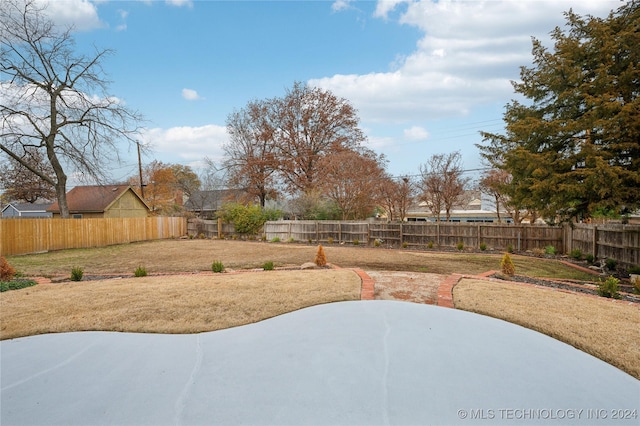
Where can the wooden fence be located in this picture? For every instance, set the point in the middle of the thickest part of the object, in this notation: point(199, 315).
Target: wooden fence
point(619, 242)
point(613, 241)
point(22, 236)
point(418, 234)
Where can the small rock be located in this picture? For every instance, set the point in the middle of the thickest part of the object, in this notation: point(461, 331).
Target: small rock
point(309, 265)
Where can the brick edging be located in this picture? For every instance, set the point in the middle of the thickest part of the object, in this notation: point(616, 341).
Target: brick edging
point(445, 290)
point(367, 284)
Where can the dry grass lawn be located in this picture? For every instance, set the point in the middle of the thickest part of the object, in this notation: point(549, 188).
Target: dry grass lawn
point(197, 255)
point(604, 328)
point(176, 304)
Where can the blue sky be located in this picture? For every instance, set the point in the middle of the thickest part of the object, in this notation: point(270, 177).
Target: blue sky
point(424, 76)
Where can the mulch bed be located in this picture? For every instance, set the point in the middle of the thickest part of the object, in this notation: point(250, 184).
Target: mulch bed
point(626, 291)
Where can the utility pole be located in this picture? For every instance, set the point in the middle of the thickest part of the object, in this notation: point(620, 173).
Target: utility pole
point(140, 171)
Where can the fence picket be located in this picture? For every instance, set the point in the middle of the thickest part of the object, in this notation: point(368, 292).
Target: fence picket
point(23, 236)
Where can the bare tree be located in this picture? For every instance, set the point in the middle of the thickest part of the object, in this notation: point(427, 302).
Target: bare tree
point(55, 100)
point(492, 183)
point(395, 196)
point(22, 184)
point(442, 183)
point(309, 123)
point(349, 179)
point(251, 159)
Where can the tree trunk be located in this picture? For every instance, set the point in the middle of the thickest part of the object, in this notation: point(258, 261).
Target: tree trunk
point(61, 178)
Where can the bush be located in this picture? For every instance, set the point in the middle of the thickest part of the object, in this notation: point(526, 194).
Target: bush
point(291, 240)
point(405, 244)
point(217, 266)
point(15, 285)
point(460, 246)
point(506, 266)
point(268, 266)
point(590, 259)
point(483, 246)
point(247, 219)
point(430, 244)
point(321, 259)
point(140, 271)
point(509, 248)
point(6, 271)
point(611, 264)
point(76, 273)
point(275, 240)
point(377, 243)
point(634, 270)
point(576, 254)
point(550, 250)
point(356, 242)
point(609, 288)
point(330, 240)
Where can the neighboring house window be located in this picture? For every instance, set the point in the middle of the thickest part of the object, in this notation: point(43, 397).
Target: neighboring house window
point(77, 216)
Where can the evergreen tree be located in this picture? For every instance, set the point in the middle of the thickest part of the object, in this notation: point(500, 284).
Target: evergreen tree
point(574, 147)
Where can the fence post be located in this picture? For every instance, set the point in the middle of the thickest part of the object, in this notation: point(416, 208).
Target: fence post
point(219, 228)
point(438, 232)
point(401, 235)
point(595, 241)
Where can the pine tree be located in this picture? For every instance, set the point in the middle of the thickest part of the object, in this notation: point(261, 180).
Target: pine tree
point(321, 259)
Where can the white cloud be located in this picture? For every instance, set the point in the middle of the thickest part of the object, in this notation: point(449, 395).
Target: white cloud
point(82, 15)
point(180, 3)
point(340, 5)
point(416, 133)
point(190, 95)
point(468, 56)
point(186, 144)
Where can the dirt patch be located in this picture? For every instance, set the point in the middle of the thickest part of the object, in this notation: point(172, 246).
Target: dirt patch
point(407, 286)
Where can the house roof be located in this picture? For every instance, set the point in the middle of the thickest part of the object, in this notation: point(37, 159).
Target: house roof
point(28, 207)
point(93, 198)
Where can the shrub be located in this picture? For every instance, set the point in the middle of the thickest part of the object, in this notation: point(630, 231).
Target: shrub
point(201, 236)
point(140, 271)
point(550, 250)
point(217, 266)
point(460, 245)
point(291, 240)
point(321, 259)
point(636, 286)
point(268, 266)
point(247, 219)
point(589, 258)
point(275, 240)
point(609, 288)
point(264, 237)
point(356, 242)
point(509, 248)
point(538, 251)
point(483, 246)
point(15, 285)
point(376, 242)
point(330, 240)
point(634, 270)
point(506, 265)
point(576, 254)
point(76, 273)
point(405, 244)
point(6, 271)
point(430, 244)
point(611, 264)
